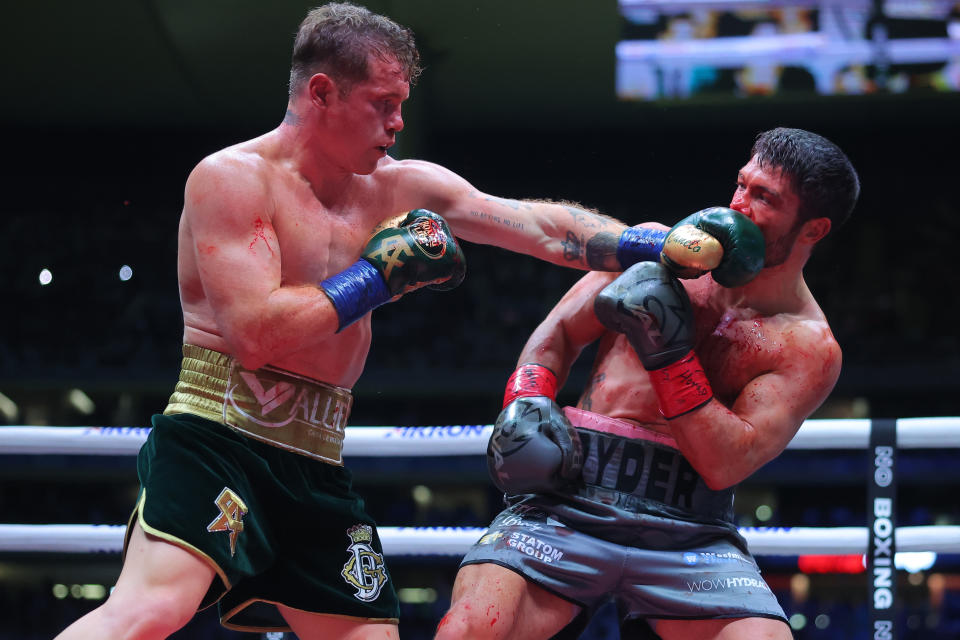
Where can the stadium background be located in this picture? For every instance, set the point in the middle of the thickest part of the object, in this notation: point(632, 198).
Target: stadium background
point(107, 106)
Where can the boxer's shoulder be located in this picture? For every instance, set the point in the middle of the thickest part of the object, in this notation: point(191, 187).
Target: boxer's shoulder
point(740, 344)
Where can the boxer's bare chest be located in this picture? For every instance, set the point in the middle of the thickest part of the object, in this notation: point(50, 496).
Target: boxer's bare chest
point(318, 239)
point(735, 345)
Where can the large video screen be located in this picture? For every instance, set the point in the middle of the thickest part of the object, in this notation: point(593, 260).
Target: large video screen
point(683, 49)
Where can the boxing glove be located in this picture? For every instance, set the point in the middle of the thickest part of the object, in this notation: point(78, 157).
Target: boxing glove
point(651, 308)
point(533, 447)
point(418, 251)
point(719, 240)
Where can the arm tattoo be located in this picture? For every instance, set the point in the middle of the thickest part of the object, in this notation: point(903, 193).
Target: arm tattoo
point(516, 205)
point(483, 215)
point(573, 247)
point(586, 400)
point(602, 252)
point(585, 219)
point(589, 219)
point(601, 244)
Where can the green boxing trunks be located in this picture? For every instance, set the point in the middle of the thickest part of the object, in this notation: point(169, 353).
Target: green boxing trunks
point(277, 526)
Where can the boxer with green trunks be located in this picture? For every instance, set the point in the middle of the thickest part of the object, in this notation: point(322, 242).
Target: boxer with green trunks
point(254, 483)
point(244, 467)
point(628, 497)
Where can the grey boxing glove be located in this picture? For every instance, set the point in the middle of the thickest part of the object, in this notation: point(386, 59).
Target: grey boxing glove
point(533, 447)
point(651, 308)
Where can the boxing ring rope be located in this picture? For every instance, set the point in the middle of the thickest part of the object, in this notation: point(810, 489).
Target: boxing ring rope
point(456, 440)
point(454, 541)
point(912, 433)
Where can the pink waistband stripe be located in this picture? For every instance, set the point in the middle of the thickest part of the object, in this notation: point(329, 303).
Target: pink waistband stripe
point(616, 427)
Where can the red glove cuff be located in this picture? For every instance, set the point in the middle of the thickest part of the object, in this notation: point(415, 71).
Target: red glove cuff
point(530, 380)
point(681, 386)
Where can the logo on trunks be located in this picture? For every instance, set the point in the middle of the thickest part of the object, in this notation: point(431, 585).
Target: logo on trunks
point(534, 547)
point(364, 571)
point(638, 468)
point(302, 404)
point(721, 584)
point(515, 517)
point(232, 510)
point(712, 557)
point(490, 538)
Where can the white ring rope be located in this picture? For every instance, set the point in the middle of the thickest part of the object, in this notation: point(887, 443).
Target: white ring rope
point(454, 541)
point(912, 433)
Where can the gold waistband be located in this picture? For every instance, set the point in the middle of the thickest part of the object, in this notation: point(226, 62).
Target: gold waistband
point(279, 407)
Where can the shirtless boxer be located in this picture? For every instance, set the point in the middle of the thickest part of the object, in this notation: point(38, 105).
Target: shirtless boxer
point(286, 243)
point(629, 495)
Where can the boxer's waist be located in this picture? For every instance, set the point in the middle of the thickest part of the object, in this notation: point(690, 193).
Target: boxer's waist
point(641, 471)
point(269, 404)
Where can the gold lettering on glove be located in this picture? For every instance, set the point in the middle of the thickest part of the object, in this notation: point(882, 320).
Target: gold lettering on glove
point(232, 510)
point(689, 247)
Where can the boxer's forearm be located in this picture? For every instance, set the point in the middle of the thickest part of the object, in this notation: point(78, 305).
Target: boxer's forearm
point(562, 233)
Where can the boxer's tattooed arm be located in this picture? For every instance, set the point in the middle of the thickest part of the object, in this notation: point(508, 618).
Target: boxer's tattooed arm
point(586, 219)
point(573, 247)
point(516, 205)
point(591, 241)
point(602, 252)
point(508, 222)
point(601, 245)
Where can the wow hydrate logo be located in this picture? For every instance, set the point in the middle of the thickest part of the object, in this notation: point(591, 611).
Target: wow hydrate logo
point(722, 584)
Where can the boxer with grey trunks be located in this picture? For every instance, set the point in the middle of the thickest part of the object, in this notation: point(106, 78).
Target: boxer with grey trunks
point(628, 497)
point(642, 530)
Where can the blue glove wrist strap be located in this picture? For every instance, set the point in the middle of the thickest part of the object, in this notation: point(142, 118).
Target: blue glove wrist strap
point(639, 245)
point(356, 290)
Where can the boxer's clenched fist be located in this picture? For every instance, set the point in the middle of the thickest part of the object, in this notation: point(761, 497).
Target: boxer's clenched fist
point(410, 252)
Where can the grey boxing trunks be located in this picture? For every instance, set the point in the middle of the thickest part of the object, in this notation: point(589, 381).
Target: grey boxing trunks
point(642, 529)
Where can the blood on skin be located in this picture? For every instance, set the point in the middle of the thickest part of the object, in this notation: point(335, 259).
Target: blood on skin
point(443, 621)
point(259, 234)
point(208, 249)
point(496, 617)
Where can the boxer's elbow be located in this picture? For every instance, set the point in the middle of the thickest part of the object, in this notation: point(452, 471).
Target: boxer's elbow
point(720, 479)
point(728, 463)
point(249, 344)
point(250, 354)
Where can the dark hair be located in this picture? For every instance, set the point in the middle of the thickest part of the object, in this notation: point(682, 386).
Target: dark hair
point(338, 38)
point(822, 175)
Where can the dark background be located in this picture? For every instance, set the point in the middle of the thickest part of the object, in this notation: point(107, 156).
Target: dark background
point(106, 107)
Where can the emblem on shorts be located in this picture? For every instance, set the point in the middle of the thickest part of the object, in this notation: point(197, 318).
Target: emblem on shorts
point(490, 538)
point(232, 510)
point(364, 571)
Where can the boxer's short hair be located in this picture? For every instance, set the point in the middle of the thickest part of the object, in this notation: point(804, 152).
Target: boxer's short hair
point(338, 39)
point(821, 173)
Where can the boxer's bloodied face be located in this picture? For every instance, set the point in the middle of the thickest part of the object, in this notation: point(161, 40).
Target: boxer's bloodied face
point(767, 196)
point(364, 123)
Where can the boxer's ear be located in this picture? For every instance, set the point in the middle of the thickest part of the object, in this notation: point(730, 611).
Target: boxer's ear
point(319, 88)
point(815, 230)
